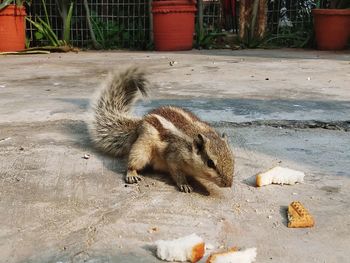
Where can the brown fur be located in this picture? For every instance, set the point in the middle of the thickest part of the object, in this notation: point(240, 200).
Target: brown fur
point(185, 121)
point(151, 119)
point(175, 118)
point(169, 139)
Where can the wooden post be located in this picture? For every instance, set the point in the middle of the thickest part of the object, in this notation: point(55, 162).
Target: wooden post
point(245, 10)
point(252, 19)
point(254, 16)
point(262, 19)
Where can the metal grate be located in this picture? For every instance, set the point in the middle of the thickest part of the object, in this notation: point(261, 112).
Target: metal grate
point(117, 24)
point(212, 15)
point(126, 23)
point(291, 15)
point(290, 22)
point(36, 10)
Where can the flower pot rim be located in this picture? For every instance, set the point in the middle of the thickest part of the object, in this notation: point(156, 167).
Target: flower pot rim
point(321, 11)
point(172, 3)
point(174, 9)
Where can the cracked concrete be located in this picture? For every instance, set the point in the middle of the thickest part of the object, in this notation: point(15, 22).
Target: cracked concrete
point(56, 206)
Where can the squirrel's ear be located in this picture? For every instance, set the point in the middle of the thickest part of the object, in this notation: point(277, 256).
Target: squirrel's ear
point(199, 141)
point(224, 136)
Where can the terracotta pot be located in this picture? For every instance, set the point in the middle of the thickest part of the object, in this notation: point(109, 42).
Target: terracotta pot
point(332, 28)
point(173, 25)
point(12, 28)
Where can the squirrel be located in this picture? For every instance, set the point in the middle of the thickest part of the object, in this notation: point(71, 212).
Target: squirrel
point(168, 139)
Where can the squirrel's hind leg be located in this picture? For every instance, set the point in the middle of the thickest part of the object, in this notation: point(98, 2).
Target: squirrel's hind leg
point(139, 157)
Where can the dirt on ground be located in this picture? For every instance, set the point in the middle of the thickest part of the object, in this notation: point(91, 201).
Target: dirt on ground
point(57, 206)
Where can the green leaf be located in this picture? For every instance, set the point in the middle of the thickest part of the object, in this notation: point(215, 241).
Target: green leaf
point(45, 11)
point(27, 42)
point(38, 35)
point(98, 31)
point(49, 32)
point(5, 4)
point(45, 30)
point(66, 31)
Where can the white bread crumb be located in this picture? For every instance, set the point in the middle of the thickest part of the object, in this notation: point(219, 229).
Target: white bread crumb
point(180, 249)
point(244, 256)
point(279, 175)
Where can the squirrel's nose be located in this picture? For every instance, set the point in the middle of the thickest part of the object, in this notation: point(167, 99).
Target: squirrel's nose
point(228, 183)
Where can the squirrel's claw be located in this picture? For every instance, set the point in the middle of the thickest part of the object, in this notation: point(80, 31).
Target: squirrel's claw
point(133, 179)
point(185, 188)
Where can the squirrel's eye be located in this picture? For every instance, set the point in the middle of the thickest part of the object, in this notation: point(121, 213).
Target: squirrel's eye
point(210, 164)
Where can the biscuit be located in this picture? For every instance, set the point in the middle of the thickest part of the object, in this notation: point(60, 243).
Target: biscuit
point(298, 216)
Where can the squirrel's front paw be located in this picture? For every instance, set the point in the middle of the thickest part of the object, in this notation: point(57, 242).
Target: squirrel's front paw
point(186, 188)
point(132, 178)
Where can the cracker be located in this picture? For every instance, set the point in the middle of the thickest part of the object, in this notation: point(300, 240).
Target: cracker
point(298, 216)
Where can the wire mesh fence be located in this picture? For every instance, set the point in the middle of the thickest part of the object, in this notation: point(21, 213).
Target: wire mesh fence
point(290, 14)
point(116, 23)
point(286, 14)
point(126, 23)
point(212, 15)
point(290, 22)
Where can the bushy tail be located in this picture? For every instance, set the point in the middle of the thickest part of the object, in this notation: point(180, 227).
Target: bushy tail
point(113, 130)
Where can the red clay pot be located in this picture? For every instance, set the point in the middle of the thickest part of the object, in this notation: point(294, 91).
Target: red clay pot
point(332, 28)
point(173, 24)
point(12, 28)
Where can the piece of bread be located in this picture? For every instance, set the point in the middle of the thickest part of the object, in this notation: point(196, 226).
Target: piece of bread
point(298, 216)
point(279, 175)
point(233, 256)
point(189, 248)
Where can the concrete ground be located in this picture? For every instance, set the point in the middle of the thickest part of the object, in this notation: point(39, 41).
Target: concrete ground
point(286, 107)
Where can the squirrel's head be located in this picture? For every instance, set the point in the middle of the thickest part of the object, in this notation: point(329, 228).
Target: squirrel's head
point(213, 159)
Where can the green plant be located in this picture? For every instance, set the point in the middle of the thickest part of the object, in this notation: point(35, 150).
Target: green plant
point(109, 34)
point(45, 31)
point(204, 39)
point(5, 3)
point(298, 32)
point(297, 39)
point(65, 9)
point(67, 24)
